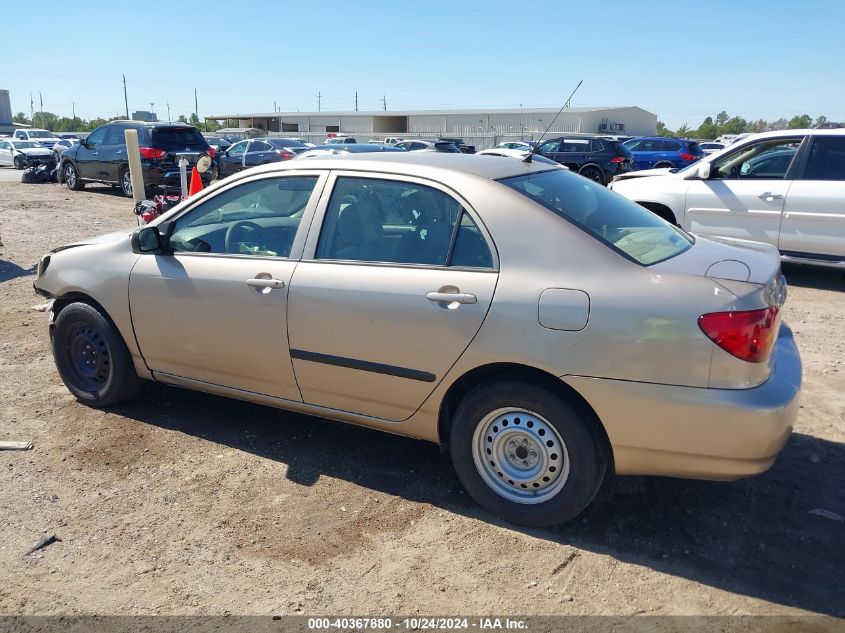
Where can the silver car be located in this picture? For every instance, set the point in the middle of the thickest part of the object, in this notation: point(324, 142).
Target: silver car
point(545, 331)
point(21, 153)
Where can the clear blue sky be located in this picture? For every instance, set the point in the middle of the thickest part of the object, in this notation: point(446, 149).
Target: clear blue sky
point(682, 60)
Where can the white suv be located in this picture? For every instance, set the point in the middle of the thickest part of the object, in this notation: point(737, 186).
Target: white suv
point(786, 188)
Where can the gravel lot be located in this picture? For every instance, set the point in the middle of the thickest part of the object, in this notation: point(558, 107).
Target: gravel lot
point(185, 503)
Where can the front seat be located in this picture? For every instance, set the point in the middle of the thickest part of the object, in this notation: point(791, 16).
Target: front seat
point(360, 233)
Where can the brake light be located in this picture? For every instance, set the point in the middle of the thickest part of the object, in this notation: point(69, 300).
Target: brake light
point(688, 157)
point(749, 335)
point(284, 154)
point(152, 152)
point(617, 159)
point(210, 151)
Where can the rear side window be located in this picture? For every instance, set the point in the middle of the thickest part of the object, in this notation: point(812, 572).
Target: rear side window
point(621, 224)
point(827, 159)
point(670, 146)
point(178, 138)
point(115, 136)
point(695, 149)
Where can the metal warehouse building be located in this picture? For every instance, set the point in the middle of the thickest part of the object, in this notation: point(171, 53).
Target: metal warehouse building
point(483, 128)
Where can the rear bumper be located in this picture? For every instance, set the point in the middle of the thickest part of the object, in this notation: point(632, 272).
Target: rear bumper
point(169, 175)
point(696, 432)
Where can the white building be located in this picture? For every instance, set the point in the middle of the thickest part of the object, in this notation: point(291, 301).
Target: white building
point(483, 128)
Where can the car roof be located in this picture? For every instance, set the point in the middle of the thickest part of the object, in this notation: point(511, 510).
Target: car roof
point(422, 164)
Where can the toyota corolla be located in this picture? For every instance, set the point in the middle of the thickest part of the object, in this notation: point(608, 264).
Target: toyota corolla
point(545, 331)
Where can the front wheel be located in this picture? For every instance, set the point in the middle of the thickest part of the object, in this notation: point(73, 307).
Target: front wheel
point(526, 454)
point(92, 359)
point(19, 164)
point(72, 179)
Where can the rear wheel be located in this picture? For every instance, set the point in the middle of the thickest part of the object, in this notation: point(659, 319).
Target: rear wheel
point(664, 165)
point(593, 173)
point(126, 182)
point(92, 359)
point(526, 454)
point(72, 179)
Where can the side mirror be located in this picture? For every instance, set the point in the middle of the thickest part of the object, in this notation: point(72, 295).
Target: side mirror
point(704, 171)
point(146, 240)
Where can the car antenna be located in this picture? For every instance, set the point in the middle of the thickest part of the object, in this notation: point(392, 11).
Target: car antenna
point(566, 104)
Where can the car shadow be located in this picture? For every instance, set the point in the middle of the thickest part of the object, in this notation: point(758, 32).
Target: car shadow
point(756, 537)
point(10, 270)
point(815, 277)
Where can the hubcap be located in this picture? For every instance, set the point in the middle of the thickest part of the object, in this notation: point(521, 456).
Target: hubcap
point(520, 455)
point(70, 176)
point(89, 358)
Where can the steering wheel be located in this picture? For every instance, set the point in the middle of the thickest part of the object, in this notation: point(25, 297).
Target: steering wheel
point(233, 229)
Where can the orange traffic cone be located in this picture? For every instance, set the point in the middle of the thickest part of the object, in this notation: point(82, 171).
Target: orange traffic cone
point(196, 182)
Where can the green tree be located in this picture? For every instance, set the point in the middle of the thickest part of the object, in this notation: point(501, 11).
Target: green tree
point(211, 125)
point(662, 130)
point(734, 125)
point(707, 129)
point(721, 119)
point(194, 119)
point(182, 118)
point(760, 125)
point(779, 124)
point(803, 121)
point(46, 120)
point(820, 121)
point(683, 131)
point(20, 117)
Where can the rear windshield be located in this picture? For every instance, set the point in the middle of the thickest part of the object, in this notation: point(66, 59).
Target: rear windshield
point(286, 142)
point(695, 149)
point(178, 138)
point(621, 224)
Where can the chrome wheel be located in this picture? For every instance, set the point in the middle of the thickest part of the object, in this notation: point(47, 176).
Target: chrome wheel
point(520, 455)
point(126, 183)
point(70, 176)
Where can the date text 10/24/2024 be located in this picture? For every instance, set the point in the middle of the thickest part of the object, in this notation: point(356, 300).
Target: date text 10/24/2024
point(417, 623)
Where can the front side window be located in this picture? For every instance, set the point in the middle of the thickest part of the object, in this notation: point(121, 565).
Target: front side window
point(623, 225)
point(764, 160)
point(550, 147)
point(390, 221)
point(238, 149)
point(827, 159)
point(97, 136)
point(258, 218)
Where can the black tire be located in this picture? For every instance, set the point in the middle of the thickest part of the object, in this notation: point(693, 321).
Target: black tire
point(663, 165)
point(19, 164)
point(71, 177)
point(585, 448)
point(92, 359)
point(126, 182)
point(593, 173)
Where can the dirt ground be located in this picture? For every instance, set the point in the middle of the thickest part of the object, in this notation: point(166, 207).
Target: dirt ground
point(185, 503)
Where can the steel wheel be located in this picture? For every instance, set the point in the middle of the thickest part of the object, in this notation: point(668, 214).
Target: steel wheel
point(88, 357)
point(520, 455)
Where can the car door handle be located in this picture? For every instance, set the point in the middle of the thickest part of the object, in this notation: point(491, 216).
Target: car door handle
point(451, 297)
point(769, 194)
point(95, 153)
point(265, 283)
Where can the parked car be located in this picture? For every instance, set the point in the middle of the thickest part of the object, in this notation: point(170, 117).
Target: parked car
point(345, 150)
point(655, 152)
point(217, 143)
point(421, 145)
point(446, 298)
point(334, 140)
point(599, 159)
point(459, 143)
point(786, 188)
point(711, 147)
point(101, 156)
point(523, 145)
point(45, 138)
point(520, 154)
point(258, 151)
point(390, 140)
point(21, 153)
point(61, 145)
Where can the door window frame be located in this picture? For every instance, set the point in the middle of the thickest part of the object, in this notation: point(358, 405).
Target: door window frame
point(792, 173)
point(301, 231)
point(317, 221)
point(802, 160)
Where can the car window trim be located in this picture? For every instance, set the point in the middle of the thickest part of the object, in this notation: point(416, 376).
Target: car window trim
point(790, 172)
point(298, 243)
point(313, 237)
point(802, 159)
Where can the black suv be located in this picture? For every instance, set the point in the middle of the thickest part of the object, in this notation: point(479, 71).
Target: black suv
point(459, 143)
point(597, 158)
point(101, 157)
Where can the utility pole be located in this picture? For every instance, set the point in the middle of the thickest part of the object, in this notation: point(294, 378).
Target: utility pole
point(196, 106)
point(31, 110)
point(356, 101)
point(73, 109)
point(384, 102)
point(275, 107)
point(319, 97)
point(125, 98)
point(168, 110)
point(152, 107)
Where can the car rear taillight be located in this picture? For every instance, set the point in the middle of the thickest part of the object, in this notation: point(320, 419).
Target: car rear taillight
point(284, 154)
point(152, 152)
point(210, 152)
point(688, 157)
point(617, 159)
point(749, 335)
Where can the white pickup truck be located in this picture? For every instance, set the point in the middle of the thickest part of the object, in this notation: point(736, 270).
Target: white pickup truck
point(45, 138)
